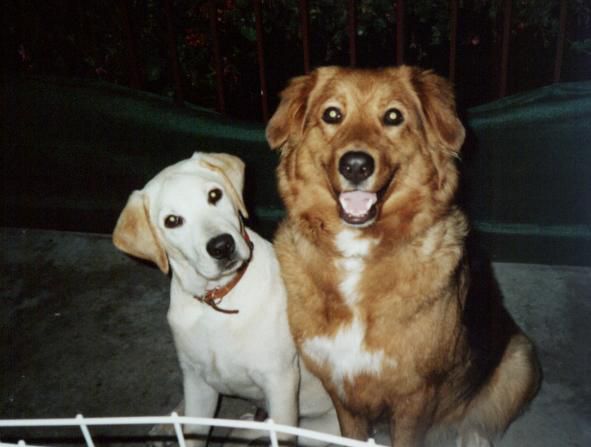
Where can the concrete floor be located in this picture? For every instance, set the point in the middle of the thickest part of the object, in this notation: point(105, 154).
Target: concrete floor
point(83, 330)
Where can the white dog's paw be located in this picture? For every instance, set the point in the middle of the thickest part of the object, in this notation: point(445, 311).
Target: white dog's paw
point(164, 435)
point(249, 437)
point(245, 436)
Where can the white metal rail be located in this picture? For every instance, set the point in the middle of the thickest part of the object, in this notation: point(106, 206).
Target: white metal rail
point(177, 422)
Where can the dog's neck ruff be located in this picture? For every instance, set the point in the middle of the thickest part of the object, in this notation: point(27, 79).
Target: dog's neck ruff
point(215, 296)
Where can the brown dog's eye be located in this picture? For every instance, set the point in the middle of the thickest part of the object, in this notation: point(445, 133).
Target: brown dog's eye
point(393, 117)
point(332, 115)
point(172, 221)
point(214, 196)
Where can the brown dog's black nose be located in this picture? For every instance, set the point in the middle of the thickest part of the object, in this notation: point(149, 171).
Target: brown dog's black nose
point(221, 247)
point(356, 166)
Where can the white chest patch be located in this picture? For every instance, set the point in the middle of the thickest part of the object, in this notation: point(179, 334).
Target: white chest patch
point(350, 244)
point(345, 353)
point(351, 270)
point(351, 265)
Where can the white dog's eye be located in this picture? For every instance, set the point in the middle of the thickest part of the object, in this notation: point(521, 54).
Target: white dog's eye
point(172, 221)
point(393, 117)
point(214, 196)
point(332, 115)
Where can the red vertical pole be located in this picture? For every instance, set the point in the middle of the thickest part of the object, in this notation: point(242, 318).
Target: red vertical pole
point(172, 53)
point(135, 76)
point(453, 39)
point(305, 29)
point(505, 48)
point(560, 42)
point(352, 26)
point(217, 56)
point(261, 58)
point(400, 32)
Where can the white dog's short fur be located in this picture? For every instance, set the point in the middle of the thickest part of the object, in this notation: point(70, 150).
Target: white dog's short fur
point(251, 353)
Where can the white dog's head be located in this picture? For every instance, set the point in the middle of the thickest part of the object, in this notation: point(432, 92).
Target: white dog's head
point(189, 214)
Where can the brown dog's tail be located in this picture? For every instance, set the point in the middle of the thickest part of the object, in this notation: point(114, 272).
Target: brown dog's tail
point(506, 393)
point(505, 372)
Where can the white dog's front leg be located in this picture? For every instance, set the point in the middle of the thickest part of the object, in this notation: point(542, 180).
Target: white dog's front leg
point(282, 399)
point(200, 401)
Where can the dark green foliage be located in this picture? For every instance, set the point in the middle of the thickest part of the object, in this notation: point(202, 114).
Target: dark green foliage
point(88, 39)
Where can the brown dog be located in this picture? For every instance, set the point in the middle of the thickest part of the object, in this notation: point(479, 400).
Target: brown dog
point(373, 256)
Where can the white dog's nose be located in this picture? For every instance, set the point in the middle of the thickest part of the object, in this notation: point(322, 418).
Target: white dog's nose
point(221, 247)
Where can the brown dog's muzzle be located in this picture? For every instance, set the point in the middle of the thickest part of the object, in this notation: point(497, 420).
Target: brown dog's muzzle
point(357, 206)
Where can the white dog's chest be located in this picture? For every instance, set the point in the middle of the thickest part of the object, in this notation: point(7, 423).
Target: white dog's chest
point(215, 356)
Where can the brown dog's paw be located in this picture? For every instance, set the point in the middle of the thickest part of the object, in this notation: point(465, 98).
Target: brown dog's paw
point(472, 439)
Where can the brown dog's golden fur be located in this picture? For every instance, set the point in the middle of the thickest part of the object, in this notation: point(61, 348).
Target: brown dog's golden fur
point(379, 307)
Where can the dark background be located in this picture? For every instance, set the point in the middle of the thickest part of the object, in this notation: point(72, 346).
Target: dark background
point(88, 40)
point(82, 126)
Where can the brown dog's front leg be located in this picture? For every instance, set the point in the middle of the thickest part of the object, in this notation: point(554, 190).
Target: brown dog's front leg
point(352, 425)
point(411, 419)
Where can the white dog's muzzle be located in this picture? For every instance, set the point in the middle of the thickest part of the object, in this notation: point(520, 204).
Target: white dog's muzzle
point(222, 248)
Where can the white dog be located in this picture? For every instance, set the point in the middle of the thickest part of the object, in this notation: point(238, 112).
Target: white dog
point(227, 300)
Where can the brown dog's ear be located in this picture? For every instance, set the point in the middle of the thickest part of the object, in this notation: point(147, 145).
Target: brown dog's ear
point(444, 129)
point(135, 235)
point(288, 119)
point(231, 169)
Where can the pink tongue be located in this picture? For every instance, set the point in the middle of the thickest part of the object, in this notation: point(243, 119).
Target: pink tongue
point(357, 203)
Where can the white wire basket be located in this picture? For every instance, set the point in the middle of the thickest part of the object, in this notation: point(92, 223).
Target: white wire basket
point(85, 424)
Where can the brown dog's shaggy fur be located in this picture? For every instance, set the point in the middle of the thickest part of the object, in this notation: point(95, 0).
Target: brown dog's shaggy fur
point(373, 256)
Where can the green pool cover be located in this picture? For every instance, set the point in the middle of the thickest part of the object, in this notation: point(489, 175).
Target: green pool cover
point(72, 151)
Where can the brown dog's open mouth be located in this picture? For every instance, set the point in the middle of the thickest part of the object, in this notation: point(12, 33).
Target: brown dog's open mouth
point(357, 207)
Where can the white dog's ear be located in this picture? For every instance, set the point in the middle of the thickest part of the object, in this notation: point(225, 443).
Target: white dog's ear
point(231, 169)
point(134, 233)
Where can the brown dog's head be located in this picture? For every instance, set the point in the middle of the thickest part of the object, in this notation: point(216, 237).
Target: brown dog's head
point(371, 149)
